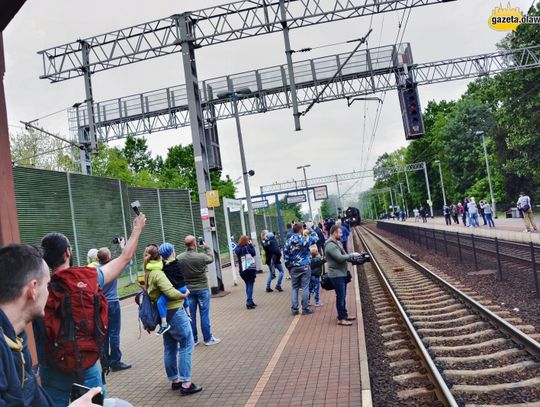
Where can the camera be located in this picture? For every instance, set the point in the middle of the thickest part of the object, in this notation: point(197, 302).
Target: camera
point(200, 240)
point(135, 206)
point(361, 259)
point(117, 239)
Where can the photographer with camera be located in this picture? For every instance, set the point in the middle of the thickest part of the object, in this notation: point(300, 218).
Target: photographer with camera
point(195, 267)
point(112, 340)
point(337, 259)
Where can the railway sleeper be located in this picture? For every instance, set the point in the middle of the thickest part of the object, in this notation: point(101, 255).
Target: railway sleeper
point(483, 389)
point(442, 310)
point(460, 339)
point(454, 329)
point(493, 343)
point(502, 355)
point(458, 374)
point(448, 316)
point(445, 323)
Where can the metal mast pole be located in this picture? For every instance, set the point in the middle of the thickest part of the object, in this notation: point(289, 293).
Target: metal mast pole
point(338, 194)
point(438, 162)
point(288, 54)
point(184, 26)
point(87, 137)
point(303, 167)
point(430, 203)
point(251, 217)
point(489, 174)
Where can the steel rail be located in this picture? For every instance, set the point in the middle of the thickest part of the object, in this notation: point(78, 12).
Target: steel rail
point(516, 335)
point(441, 389)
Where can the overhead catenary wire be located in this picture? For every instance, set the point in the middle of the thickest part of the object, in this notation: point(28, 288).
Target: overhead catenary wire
point(316, 100)
point(18, 160)
point(401, 28)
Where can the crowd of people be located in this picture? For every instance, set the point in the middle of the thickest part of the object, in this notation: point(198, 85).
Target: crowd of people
point(471, 213)
point(309, 250)
point(76, 315)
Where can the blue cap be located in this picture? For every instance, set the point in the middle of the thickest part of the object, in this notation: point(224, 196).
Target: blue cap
point(166, 250)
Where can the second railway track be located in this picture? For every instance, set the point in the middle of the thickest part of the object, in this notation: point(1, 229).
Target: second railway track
point(446, 344)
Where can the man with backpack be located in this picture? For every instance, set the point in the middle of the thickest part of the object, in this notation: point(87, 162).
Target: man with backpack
point(24, 277)
point(69, 348)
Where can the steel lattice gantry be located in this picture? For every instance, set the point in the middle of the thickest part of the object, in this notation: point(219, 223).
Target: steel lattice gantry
point(185, 33)
point(214, 25)
point(284, 187)
point(369, 71)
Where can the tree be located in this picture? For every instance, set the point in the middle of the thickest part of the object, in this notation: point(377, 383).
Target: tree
point(30, 148)
point(138, 156)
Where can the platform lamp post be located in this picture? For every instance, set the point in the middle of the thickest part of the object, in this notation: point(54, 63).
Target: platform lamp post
point(483, 134)
point(438, 162)
point(303, 168)
point(233, 95)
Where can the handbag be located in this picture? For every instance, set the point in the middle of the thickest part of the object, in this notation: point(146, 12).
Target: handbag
point(247, 261)
point(326, 283)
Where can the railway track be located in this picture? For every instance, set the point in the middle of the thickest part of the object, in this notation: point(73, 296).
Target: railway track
point(446, 344)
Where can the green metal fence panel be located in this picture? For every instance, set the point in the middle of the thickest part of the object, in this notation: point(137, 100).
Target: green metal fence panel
point(98, 212)
point(197, 219)
point(42, 204)
point(221, 230)
point(236, 224)
point(176, 211)
point(152, 232)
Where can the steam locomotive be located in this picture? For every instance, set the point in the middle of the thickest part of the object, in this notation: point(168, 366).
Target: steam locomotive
point(352, 216)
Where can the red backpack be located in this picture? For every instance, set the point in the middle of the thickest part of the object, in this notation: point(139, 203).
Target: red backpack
point(76, 317)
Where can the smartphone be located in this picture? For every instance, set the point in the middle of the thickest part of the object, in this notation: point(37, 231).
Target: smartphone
point(78, 390)
point(135, 206)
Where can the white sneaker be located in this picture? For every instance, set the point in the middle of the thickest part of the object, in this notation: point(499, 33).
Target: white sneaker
point(213, 341)
point(196, 343)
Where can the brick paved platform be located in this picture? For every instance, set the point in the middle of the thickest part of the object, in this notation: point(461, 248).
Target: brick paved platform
point(267, 356)
point(507, 229)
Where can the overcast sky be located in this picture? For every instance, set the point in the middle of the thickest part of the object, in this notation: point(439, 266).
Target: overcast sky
point(332, 135)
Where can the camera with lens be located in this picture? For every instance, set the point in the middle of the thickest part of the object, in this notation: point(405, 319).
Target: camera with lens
point(200, 240)
point(117, 238)
point(361, 259)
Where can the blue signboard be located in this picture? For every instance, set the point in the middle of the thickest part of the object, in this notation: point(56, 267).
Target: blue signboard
point(295, 199)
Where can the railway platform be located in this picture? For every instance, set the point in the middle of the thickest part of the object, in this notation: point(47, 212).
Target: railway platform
point(267, 357)
point(505, 229)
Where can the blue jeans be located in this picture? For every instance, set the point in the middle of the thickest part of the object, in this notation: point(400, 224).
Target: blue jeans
point(489, 220)
point(200, 298)
point(178, 346)
point(340, 286)
point(314, 287)
point(249, 277)
point(272, 267)
point(58, 384)
point(473, 219)
point(163, 301)
point(300, 277)
point(112, 340)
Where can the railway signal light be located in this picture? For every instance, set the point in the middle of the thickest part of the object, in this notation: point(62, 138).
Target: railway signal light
point(411, 111)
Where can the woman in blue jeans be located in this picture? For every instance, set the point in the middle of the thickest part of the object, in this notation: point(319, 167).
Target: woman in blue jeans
point(246, 264)
point(337, 258)
point(178, 339)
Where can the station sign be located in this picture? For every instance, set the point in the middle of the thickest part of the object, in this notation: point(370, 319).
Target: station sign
point(234, 205)
point(260, 204)
point(212, 199)
point(321, 193)
point(295, 199)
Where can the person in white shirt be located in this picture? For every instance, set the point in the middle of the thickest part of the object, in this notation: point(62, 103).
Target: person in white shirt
point(525, 206)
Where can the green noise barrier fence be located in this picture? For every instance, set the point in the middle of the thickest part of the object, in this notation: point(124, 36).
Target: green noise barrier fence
point(90, 211)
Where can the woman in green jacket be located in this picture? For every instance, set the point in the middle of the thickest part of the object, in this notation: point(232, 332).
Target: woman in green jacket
point(178, 340)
